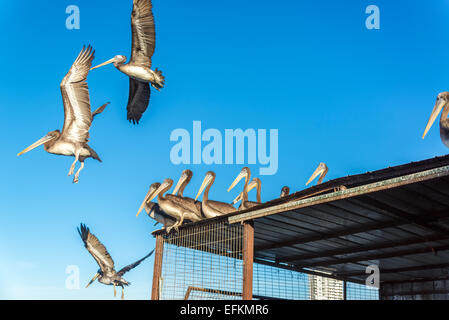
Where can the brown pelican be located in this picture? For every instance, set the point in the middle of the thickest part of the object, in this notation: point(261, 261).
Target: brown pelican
point(72, 141)
point(244, 173)
point(183, 181)
point(139, 66)
point(285, 191)
point(212, 208)
point(174, 206)
point(254, 183)
point(106, 274)
point(178, 192)
point(321, 171)
point(153, 210)
point(441, 104)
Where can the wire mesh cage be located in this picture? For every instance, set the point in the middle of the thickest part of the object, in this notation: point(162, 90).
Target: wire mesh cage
point(205, 261)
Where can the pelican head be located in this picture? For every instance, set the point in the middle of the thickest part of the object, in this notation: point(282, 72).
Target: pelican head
point(285, 191)
point(161, 189)
point(245, 173)
point(185, 176)
point(98, 274)
point(442, 100)
point(150, 192)
point(251, 186)
point(207, 179)
point(42, 141)
point(321, 171)
point(117, 61)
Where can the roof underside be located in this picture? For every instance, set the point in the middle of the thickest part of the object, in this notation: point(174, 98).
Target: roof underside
point(395, 218)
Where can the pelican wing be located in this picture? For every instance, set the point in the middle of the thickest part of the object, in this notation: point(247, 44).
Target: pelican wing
point(139, 97)
point(96, 249)
point(133, 265)
point(143, 33)
point(75, 96)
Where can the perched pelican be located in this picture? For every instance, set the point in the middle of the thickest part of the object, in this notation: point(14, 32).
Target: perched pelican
point(442, 101)
point(183, 181)
point(178, 193)
point(254, 183)
point(173, 205)
point(106, 274)
point(321, 171)
point(153, 210)
point(245, 173)
point(212, 208)
point(139, 66)
point(72, 141)
point(285, 191)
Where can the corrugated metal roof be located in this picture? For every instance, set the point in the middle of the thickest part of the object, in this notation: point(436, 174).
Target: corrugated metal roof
point(396, 218)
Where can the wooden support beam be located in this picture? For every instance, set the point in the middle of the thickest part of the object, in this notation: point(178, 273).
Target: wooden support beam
point(248, 258)
point(157, 270)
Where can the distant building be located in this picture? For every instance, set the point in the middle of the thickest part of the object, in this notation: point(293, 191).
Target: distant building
point(322, 288)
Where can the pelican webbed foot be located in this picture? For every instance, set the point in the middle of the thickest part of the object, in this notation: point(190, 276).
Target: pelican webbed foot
point(77, 174)
point(72, 167)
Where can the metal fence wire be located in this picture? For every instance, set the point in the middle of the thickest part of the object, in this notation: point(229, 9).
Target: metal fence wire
point(205, 262)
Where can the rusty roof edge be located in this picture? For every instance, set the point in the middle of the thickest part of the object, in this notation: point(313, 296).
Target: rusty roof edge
point(343, 194)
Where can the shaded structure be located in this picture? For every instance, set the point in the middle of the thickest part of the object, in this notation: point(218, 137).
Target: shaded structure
point(395, 220)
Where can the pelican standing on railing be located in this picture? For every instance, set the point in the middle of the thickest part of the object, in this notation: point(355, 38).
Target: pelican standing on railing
point(153, 210)
point(321, 171)
point(255, 183)
point(106, 274)
point(442, 103)
point(173, 205)
point(212, 208)
point(285, 191)
point(244, 173)
point(72, 141)
point(138, 69)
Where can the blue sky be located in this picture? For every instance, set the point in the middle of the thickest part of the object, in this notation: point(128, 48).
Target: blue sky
point(354, 98)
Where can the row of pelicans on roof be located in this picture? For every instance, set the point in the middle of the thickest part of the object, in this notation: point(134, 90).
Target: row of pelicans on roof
point(172, 209)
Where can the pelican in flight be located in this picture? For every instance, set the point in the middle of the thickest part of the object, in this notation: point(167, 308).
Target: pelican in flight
point(255, 183)
point(138, 69)
point(442, 103)
point(174, 206)
point(153, 210)
point(321, 171)
point(106, 274)
point(244, 173)
point(72, 141)
point(212, 208)
point(285, 191)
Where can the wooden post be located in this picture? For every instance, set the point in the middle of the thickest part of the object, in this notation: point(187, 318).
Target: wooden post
point(248, 258)
point(157, 270)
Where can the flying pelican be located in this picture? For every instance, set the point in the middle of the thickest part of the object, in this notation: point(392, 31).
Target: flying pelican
point(153, 210)
point(106, 274)
point(321, 171)
point(173, 205)
point(244, 173)
point(212, 208)
point(442, 101)
point(254, 183)
point(139, 66)
point(285, 191)
point(72, 141)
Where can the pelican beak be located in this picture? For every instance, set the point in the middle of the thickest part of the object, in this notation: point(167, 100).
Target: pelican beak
point(148, 195)
point(251, 186)
point(103, 64)
point(93, 279)
point(158, 190)
point(179, 184)
point(237, 180)
point(319, 171)
point(39, 142)
point(203, 186)
point(436, 110)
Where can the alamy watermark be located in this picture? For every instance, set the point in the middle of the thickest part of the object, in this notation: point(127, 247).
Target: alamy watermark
point(72, 282)
point(373, 280)
point(373, 20)
point(73, 20)
point(189, 147)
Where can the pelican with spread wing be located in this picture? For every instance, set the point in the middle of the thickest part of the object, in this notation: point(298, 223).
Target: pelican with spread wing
point(106, 274)
point(72, 141)
point(138, 69)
